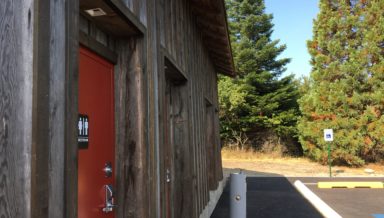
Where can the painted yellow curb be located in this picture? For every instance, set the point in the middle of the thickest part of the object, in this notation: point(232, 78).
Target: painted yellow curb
point(350, 185)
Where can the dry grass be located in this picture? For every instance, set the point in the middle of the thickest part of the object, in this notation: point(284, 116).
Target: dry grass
point(261, 164)
point(250, 154)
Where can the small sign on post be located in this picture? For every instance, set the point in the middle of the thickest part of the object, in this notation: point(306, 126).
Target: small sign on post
point(328, 137)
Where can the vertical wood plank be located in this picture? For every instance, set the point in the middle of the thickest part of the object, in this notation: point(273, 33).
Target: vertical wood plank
point(191, 70)
point(49, 111)
point(168, 24)
point(153, 70)
point(178, 31)
point(143, 12)
point(136, 7)
point(71, 106)
point(57, 110)
point(219, 169)
point(16, 78)
point(131, 151)
point(201, 109)
point(120, 75)
point(172, 27)
point(210, 147)
point(161, 15)
point(40, 131)
point(183, 44)
point(163, 136)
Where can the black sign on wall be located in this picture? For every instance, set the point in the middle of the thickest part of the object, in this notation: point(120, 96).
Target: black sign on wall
point(83, 131)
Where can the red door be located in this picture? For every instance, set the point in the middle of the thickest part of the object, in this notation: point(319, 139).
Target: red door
point(96, 162)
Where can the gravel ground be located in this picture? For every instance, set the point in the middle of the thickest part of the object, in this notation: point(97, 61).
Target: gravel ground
point(297, 167)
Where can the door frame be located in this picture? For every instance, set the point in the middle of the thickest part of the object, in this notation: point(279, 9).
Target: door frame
point(174, 85)
point(138, 46)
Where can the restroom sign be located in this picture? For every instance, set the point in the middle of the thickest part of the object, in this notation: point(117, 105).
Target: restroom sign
point(328, 135)
point(83, 131)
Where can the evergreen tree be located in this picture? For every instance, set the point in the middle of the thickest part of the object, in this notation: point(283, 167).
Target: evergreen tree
point(258, 97)
point(346, 83)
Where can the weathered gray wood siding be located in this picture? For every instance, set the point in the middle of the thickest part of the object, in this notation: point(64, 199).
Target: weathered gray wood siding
point(38, 108)
point(182, 42)
point(172, 32)
point(16, 83)
point(152, 59)
point(139, 8)
point(131, 150)
point(54, 110)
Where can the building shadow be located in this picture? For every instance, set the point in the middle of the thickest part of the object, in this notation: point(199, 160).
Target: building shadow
point(268, 196)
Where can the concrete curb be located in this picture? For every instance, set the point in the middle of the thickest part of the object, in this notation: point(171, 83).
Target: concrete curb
point(214, 197)
point(319, 204)
point(350, 185)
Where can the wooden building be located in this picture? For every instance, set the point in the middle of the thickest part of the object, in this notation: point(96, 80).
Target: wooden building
point(110, 102)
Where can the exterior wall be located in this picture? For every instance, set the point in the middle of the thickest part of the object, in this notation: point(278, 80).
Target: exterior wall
point(38, 109)
point(182, 43)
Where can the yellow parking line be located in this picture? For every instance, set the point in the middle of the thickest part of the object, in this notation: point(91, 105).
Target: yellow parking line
point(350, 185)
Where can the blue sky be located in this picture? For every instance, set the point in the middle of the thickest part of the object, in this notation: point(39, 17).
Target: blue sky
point(293, 21)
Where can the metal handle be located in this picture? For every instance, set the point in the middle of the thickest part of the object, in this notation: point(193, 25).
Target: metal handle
point(168, 176)
point(108, 169)
point(109, 199)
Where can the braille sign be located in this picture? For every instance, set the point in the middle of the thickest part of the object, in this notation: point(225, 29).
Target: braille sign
point(83, 131)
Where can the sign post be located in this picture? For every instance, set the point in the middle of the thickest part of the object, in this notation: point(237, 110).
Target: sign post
point(328, 137)
point(329, 160)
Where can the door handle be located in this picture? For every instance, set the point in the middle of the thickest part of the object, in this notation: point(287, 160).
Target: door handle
point(108, 169)
point(168, 176)
point(109, 199)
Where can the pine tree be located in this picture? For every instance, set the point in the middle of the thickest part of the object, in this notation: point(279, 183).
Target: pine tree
point(258, 97)
point(346, 83)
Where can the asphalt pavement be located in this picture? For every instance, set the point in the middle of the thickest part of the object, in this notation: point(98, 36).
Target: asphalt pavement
point(277, 197)
point(350, 202)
